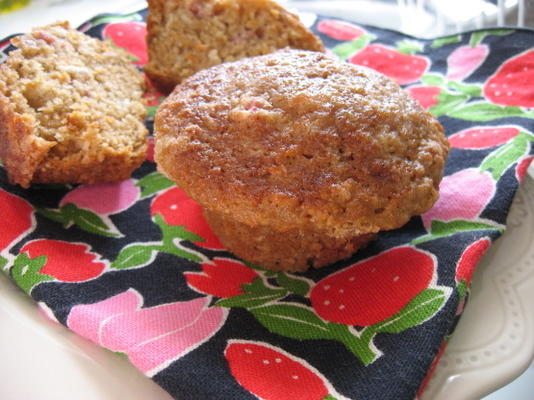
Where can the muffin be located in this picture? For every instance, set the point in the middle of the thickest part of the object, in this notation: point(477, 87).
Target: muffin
point(299, 146)
point(185, 36)
point(70, 109)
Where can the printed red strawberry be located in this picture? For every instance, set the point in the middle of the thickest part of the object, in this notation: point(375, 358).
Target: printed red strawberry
point(179, 210)
point(403, 68)
point(374, 289)
point(67, 262)
point(483, 137)
point(339, 30)
point(469, 260)
point(273, 374)
point(509, 86)
point(17, 215)
point(464, 60)
point(522, 167)
point(427, 96)
point(130, 36)
point(222, 279)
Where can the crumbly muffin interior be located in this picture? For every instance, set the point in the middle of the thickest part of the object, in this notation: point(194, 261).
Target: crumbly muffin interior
point(81, 94)
point(188, 35)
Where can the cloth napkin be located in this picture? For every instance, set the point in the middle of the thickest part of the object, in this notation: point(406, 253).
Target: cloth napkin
point(133, 266)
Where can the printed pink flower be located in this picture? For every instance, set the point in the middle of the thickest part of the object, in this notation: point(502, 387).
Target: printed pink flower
point(469, 260)
point(522, 168)
point(177, 209)
point(427, 96)
point(464, 60)
point(152, 337)
point(509, 86)
point(103, 198)
point(130, 36)
point(483, 137)
point(403, 68)
point(462, 195)
point(67, 262)
point(270, 373)
point(222, 279)
point(374, 289)
point(18, 218)
point(339, 30)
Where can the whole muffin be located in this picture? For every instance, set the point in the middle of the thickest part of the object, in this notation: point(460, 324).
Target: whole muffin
point(185, 36)
point(70, 109)
point(297, 141)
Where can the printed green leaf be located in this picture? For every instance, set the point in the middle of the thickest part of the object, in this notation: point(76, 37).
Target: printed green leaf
point(87, 220)
point(422, 307)
point(3, 262)
point(250, 301)
point(481, 112)
point(133, 256)
point(433, 80)
point(295, 285)
point(53, 215)
point(440, 229)
point(25, 271)
point(153, 183)
point(409, 47)
point(445, 41)
point(447, 103)
point(505, 156)
point(290, 320)
point(462, 289)
point(347, 49)
point(329, 397)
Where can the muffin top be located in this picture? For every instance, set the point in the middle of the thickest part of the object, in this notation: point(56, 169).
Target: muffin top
point(298, 139)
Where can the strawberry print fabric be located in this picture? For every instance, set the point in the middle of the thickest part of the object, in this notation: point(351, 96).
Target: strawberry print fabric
point(133, 266)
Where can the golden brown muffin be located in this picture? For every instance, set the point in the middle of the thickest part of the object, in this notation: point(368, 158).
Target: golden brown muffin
point(297, 141)
point(185, 36)
point(70, 109)
point(293, 250)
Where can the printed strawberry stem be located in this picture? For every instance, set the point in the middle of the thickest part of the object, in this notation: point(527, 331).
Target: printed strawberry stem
point(361, 346)
point(344, 50)
point(498, 162)
point(141, 254)
point(478, 37)
point(256, 294)
point(153, 183)
point(462, 289)
point(295, 285)
point(439, 80)
point(25, 272)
